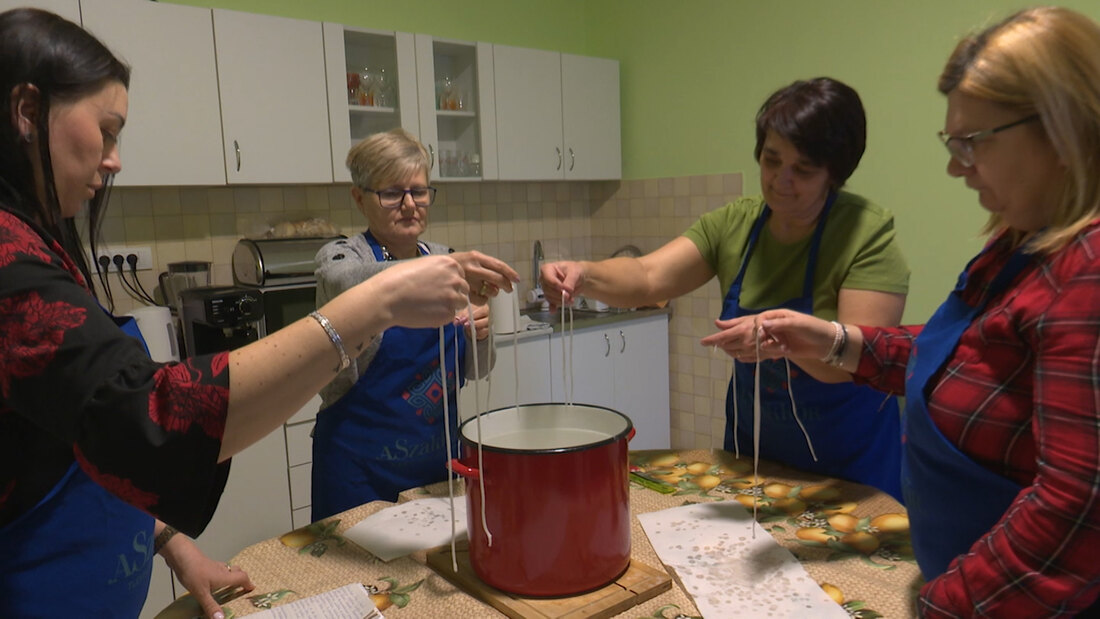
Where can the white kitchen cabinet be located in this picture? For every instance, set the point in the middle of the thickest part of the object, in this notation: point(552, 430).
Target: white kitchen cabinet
point(455, 83)
point(591, 118)
point(558, 115)
point(299, 461)
point(274, 104)
point(255, 504)
point(69, 9)
point(387, 100)
point(623, 366)
point(173, 133)
point(528, 358)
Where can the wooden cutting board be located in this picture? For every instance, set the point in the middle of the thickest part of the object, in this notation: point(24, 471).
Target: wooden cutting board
point(638, 584)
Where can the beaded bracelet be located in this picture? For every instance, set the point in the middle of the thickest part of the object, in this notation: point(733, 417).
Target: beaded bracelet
point(837, 337)
point(162, 538)
point(837, 360)
point(334, 337)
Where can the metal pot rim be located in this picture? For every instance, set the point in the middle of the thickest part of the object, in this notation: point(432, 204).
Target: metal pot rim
point(611, 439)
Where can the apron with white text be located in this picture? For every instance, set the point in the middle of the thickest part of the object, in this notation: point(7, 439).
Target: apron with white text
point(80, 552)
point(387, 434)
point(855, 430)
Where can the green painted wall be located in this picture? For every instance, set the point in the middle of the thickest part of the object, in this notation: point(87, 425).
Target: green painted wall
point(693, 73)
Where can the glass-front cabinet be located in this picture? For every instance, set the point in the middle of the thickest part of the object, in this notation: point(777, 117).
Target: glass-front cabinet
point(371, 77)
point(457, 115)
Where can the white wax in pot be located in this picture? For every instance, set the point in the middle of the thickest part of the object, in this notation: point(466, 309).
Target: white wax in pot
point(546, 438)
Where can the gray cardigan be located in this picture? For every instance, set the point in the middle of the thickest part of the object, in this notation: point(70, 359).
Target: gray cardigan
point(342, 264)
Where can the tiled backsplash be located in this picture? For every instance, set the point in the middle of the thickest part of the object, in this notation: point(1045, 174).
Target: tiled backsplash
point(574, 220)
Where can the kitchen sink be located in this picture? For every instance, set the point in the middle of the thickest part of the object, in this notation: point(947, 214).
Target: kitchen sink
point(554, 318)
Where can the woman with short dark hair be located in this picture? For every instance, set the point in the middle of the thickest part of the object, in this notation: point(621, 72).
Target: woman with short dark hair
point(805, 244)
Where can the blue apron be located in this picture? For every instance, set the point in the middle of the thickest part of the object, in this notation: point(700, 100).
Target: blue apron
point(952, 500)
point(80, 552)
point(387, 433)
point(856, 431)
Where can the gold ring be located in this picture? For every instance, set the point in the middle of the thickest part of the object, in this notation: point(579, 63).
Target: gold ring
point(484, 290)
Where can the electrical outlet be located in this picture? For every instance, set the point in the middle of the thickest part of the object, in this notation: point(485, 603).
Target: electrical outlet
point(144, 256)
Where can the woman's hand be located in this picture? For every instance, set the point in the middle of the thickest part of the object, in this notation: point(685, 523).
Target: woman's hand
point(783, 333)
point(557, 278)
point(481, 321)
point(202, 575)
point(486, 275)
point(737, 338)
point(427, 292)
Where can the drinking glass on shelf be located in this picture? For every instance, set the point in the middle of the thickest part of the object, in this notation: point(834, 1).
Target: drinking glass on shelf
point(382, 89)
point(366, 86)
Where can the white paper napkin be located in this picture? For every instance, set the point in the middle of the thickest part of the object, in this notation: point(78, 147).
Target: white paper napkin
point(416, 525)
point(727, 572)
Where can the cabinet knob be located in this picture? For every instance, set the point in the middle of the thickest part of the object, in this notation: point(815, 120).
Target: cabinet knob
point(559, 157)
point(237, 148)
point(607, 340)
point(572, 159)
point(431, 157)
point(623, 336)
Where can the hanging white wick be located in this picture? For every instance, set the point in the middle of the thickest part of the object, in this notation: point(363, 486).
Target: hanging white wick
point(480, 459)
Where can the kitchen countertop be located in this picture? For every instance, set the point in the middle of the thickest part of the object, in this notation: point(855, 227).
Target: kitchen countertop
point(586, 319)
point(852, 539)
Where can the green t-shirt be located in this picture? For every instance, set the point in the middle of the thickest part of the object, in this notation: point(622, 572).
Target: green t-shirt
point(858, 250)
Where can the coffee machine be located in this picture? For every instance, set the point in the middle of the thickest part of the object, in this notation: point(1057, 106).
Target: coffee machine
point(217, 318)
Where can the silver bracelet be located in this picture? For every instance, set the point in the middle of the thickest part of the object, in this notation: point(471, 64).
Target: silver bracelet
point(330, 331)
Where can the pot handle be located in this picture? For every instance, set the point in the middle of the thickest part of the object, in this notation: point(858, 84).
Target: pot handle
point(464, 470)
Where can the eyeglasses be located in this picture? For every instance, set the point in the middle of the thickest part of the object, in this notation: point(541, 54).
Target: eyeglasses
point(961, 147)
point(394, 198)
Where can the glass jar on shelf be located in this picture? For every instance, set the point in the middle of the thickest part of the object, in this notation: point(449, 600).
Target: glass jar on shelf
point(353, 87)
point(450, 97)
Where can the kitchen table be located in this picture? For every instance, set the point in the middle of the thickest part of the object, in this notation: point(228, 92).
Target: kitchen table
point(852, 539)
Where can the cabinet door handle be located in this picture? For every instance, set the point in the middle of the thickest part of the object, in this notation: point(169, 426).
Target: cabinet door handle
point(623, 336)
point(559, 157)
point(607, 340)
point(431, 157)
point(572, 159)
point(237, 148)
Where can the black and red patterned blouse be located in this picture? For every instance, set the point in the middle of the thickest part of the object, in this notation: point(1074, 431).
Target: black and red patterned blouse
point(74, 386)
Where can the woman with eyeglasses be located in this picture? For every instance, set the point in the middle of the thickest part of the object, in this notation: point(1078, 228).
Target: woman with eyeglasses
point(804, 243)
point(381, 427)
point(1001, 467)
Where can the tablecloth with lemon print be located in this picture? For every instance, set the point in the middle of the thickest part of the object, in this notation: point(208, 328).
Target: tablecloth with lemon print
point(852, 539)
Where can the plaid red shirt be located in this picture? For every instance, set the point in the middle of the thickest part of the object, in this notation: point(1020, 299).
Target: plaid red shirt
point(1020, 395)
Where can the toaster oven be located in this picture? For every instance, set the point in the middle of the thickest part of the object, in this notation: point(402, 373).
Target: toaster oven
point(281, 273)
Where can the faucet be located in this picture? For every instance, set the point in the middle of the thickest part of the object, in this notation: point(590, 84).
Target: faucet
point(536, 262)
point(536, 296)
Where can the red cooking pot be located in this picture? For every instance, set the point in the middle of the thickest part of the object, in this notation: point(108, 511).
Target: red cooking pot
point(556, 497)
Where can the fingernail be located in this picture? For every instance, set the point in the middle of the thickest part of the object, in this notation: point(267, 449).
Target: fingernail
point(219, 615)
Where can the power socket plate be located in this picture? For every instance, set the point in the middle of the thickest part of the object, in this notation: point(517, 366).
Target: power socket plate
point(144, 255)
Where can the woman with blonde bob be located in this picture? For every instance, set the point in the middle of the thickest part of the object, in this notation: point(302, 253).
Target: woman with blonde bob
point(381, 428)
point(1001, 468)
